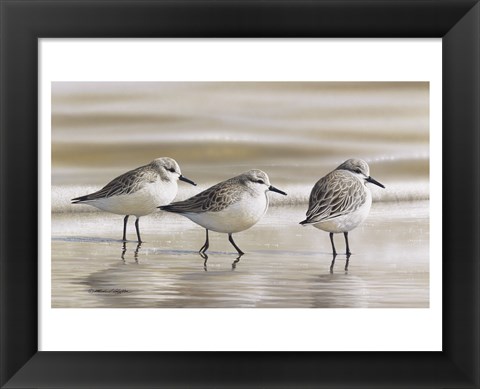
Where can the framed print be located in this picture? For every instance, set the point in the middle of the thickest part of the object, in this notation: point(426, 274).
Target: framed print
point(275, 96)
point(210, 126)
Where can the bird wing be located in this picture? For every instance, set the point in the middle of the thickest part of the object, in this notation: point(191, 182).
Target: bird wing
point(213, 199)
point(336, 194)
point(127, 183)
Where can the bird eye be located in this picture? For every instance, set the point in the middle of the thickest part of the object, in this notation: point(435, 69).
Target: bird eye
point(358, 171)
point(261, 182)
point(171, 170)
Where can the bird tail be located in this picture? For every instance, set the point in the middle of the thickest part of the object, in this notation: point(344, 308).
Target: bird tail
point(80, 199)
point(173, 207)
point(167, 208)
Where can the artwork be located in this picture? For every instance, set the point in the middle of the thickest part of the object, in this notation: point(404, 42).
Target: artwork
point(206, 195)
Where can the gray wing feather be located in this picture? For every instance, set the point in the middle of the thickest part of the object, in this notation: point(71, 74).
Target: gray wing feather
point(336, 194)
point(127, 183)
point(213, 199)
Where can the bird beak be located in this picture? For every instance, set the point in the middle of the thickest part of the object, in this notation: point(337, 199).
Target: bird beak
point(273, 189)
point(373, 181)
point(182, 178)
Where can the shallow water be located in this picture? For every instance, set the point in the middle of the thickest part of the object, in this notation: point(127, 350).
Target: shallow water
point(285, 265)
point(296, 132)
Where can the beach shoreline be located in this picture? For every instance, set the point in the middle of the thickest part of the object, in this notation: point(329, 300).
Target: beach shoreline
point(285, 266)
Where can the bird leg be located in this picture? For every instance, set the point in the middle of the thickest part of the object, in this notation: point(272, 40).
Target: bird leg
point(125, 228)
point(346, 242)
point(234, 245)
point(138, 230)
point(333, 245)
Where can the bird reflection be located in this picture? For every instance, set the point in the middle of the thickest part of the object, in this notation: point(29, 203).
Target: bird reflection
point(346, 262)
point(205, 257)
point(234, 263)
point(135, 253)
point(124, 250)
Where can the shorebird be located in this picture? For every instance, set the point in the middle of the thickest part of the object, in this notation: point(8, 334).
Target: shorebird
point(230, 206)
point(341, 200)
point(138, 192)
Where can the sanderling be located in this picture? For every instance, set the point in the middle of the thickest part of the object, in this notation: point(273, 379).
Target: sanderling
point(138, 192)
point(230, 206)
point(340, 201)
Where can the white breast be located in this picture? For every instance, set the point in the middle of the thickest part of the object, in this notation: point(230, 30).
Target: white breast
point(235, 218)
point(140, 203)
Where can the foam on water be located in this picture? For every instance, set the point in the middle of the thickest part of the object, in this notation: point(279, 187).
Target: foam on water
point(296, 194)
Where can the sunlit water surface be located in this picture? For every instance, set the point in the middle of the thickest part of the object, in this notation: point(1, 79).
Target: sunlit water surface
point(285, 265)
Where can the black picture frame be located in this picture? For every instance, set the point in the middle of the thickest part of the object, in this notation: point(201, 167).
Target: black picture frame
point(457, 22)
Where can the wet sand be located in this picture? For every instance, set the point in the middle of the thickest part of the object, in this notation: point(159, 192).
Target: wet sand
point(285, 265)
